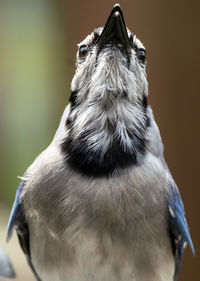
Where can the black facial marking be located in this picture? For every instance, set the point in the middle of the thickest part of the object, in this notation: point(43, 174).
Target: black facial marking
point(68, 121)
point(72, 98)
point(90, 163)
point(144, 101)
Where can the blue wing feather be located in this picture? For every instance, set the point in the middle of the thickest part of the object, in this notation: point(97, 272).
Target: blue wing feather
point(17, 219)
point(178, 227)
point(15, 212)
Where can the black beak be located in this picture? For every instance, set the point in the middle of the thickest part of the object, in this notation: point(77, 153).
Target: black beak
point(115, 32)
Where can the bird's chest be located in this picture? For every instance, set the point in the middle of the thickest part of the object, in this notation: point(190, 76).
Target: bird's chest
point(103, 230)
point(95, 256)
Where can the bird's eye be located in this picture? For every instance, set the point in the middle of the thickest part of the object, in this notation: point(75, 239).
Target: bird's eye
point(141, 53)
point(83, 50)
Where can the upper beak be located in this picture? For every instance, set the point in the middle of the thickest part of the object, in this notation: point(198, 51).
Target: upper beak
point(115, 31)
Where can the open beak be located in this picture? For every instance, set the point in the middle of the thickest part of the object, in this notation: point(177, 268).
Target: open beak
point(115, 32)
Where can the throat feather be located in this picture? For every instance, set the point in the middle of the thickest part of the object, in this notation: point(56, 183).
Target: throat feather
point(100, 153)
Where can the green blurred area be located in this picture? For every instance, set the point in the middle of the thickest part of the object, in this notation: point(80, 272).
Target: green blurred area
point(37, 57)
point(34, 83)
point(35, 74)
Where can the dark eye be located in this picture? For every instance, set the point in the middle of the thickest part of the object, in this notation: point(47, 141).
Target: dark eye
point(83, 50)
point(141, 53)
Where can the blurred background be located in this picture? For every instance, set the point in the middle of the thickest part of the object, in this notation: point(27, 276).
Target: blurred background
point(37, 50)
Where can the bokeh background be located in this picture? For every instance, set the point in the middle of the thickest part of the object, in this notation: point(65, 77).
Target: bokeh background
point(37, 61)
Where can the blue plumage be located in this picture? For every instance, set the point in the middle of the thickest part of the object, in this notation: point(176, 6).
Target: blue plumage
point(178, 227)
point(15, 217)
point(17, 220)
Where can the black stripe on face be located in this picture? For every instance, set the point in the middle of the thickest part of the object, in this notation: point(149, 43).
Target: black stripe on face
point(144, 101)
point(72, 98)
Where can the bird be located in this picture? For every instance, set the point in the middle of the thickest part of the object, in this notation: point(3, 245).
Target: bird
point(6, 268)
point(99, 203)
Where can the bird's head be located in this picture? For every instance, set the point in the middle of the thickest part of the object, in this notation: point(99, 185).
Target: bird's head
point(110, 66)
point(108, 97)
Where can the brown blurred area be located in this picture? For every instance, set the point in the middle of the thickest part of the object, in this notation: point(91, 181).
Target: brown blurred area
point(37, 48)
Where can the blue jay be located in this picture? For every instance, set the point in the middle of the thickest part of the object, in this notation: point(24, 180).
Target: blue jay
point(6, 269)
point(100, 203)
